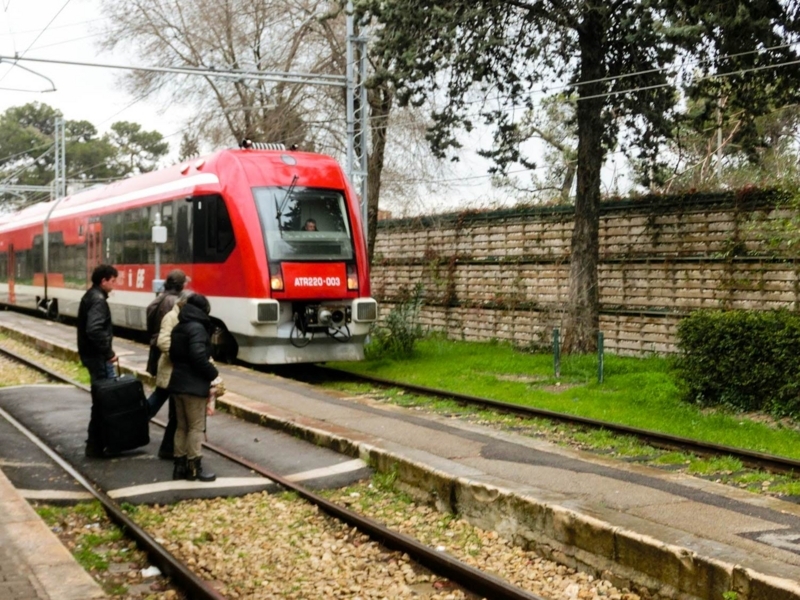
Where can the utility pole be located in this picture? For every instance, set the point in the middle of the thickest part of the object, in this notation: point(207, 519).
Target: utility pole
point(357, 113)
point(59, 192)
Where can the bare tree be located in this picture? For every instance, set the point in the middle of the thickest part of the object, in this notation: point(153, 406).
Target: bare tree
point(305, 36)
point(231, 35)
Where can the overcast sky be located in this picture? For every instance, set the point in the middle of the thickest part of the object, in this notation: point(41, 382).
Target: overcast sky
point(68, 30)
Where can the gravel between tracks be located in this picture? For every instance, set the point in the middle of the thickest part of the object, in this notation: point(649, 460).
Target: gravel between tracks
point(277, 546)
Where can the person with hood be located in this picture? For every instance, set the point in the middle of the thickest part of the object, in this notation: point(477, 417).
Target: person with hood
point(190, 383)
point(156, 311)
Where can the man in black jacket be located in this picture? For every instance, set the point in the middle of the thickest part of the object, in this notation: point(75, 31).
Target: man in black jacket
point(95, 338)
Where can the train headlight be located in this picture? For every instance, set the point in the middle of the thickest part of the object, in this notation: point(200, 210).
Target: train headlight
point(276, 282)
point(338, 317)
point(264, 312)
point(366, 310)
point(324, 317)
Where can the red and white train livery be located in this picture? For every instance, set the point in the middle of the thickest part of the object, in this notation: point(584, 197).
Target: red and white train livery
point(239, 223)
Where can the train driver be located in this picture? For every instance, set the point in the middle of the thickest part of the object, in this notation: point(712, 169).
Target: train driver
point(311, 225)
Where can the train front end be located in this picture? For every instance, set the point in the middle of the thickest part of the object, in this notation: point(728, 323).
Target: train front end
point(315, 270)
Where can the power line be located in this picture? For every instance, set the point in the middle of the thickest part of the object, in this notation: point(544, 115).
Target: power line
point(65, 26)
point(578, 84)
point(606, 94)
point(277, 76)
point(26, 167)
point(45, 27)
point(37, 37)
point(71, 41)
point(704, 78)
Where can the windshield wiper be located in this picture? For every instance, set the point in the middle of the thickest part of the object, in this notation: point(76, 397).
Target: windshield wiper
point(284, 201)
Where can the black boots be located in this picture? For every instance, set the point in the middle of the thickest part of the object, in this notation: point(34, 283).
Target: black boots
point(179, 472)
point(194, 471)
point(191, 470)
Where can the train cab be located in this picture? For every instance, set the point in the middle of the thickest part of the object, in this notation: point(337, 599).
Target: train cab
point(272, 237)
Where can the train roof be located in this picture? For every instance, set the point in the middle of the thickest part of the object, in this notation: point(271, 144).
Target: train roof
point(196, 173)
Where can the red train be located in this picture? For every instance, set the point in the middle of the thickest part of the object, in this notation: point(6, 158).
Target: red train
point(239, 223)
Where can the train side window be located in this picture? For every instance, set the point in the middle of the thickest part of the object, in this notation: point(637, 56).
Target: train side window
point(167, 249)
point(23, 264)
point(183, 233)
point(56, 258)
point(36, 263)
point(213, 232)
point(131, 236)
point(113, 229)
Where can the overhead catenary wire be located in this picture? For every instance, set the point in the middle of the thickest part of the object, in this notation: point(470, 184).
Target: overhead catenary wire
point(576, 84)
point(65, 26)
point(336, 80)
point(608, 78)
point(278, 76)
point(20, 56)
point(36, 39)
point(26, 167)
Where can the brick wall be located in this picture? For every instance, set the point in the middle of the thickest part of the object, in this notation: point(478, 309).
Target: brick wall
point(505, 274)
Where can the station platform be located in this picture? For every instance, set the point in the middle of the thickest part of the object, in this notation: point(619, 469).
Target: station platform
point(34, 564)
point(676, 535)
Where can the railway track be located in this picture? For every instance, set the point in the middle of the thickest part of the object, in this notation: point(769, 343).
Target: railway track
point(756, 460)
point(472, 580)
point(749, 458)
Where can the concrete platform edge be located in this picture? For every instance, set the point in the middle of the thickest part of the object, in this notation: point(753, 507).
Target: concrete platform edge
point(579, 541)
point(56, 571)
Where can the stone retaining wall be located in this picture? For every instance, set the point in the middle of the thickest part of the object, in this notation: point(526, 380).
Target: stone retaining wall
point(505, 274)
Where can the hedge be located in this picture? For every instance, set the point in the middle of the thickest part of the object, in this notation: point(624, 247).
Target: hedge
point(747, 360)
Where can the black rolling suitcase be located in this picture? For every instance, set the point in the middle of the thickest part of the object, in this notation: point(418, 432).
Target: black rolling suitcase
point(120, 408)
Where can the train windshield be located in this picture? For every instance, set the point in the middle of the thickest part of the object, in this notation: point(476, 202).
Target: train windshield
point(302, 223)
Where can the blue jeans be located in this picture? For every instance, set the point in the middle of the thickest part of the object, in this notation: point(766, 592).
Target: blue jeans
point(157, 399)
point(155, 402)
point(99, 368)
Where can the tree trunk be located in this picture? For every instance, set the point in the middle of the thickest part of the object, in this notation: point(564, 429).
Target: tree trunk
point(380, 101)
point(582, 319)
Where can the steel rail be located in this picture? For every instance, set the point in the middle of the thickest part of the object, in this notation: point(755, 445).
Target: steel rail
point(166, 562)
point(441, 563)
point(752, 458)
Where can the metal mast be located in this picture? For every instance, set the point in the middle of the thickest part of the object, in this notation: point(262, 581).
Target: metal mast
point(59, 192)
point(357, 113)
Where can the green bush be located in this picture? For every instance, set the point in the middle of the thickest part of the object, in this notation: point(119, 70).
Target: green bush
point(747, 360)
point(396, 336)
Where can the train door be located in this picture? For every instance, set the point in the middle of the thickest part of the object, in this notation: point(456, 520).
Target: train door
point(94, 247)
point(12, 297)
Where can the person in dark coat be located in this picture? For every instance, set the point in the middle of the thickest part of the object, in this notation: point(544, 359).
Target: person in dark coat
point(190, 383)
point(160, 306)
point(95, 341)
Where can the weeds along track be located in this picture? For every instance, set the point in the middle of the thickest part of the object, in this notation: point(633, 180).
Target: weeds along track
point(768, 462)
